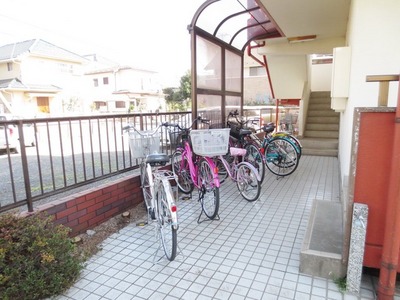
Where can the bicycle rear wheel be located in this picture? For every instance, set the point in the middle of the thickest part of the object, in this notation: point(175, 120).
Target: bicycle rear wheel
point(180, 168)
point(247, 183)
point(254, 157)
point(281, 157)
point(167, 230)
point(210, 192)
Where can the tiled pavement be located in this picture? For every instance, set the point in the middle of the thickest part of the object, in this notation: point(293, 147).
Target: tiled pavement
point(252, 252)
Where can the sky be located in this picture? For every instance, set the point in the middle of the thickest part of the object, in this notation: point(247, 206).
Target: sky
point(149, 34)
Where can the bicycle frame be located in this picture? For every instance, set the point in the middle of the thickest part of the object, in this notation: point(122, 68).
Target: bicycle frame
point(232, 169)
point(193, 168)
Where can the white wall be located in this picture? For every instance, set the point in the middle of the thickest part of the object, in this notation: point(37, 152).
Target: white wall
point(373, 35)
point(288, 75)
point(321, 75)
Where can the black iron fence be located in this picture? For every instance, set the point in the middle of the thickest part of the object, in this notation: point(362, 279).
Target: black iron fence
point(60, 154)
point(56, 155)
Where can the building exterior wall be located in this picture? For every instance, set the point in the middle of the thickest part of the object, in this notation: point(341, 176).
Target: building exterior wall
point(6, 74)
point(374, 51)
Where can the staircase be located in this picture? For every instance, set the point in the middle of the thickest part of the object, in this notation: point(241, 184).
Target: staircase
point(321, 135)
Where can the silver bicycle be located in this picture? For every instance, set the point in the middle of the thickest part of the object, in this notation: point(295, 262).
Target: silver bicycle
point(156, 185)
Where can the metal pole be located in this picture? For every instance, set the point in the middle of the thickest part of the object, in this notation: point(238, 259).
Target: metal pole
point(391, 242)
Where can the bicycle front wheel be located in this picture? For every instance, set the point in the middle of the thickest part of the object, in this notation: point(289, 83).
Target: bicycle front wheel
point(167, 228)
point(146, 189)
point(210, 192)
point(247, 183)
point(254, 157)
point(281, 157)
point(180, 168)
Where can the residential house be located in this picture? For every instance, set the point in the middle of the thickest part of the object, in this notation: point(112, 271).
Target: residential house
point(115, 88)
point(38, 78)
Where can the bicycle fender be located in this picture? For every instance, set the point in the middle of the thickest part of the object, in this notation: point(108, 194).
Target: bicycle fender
point(215, 174)
point(171, 201)
point(252, 168)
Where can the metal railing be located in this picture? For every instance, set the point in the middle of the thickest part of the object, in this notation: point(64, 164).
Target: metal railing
point(70, 152)
point(57, 155)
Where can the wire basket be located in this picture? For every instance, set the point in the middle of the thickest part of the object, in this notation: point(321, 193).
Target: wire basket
point(210, 142)
point(175, 138)
point(144, 144)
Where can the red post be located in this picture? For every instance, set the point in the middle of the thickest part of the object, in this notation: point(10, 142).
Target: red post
point(391, 242)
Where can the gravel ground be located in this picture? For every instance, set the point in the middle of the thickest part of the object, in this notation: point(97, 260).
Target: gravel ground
point(90, 242)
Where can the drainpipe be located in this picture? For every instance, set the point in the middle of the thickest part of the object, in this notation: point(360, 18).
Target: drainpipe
point(391, 242)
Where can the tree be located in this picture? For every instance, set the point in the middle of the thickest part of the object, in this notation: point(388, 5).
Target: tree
point(179, 99)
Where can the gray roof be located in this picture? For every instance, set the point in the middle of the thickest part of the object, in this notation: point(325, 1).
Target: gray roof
point(37, 47)
point(15, 83)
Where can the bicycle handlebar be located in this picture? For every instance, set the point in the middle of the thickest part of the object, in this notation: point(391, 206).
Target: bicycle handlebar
point(199, 118)
point(130, 126)
point(235, 114)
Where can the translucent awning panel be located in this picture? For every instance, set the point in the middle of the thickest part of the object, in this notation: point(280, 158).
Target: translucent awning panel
point(235, 22)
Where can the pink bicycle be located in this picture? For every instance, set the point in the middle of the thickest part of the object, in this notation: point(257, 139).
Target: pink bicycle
point(192, 163)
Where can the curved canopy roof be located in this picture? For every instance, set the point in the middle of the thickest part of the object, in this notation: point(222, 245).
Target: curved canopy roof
point(236, 23)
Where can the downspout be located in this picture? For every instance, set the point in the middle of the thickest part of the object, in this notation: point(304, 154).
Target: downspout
point(263, 63)
point(391, 242)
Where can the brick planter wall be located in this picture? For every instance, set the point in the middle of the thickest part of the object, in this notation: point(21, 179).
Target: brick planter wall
point(85, 210)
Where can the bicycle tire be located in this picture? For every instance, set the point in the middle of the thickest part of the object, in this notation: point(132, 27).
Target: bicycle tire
point(146, 189)
point(180, 168)
point(210, 198)
point(295, 142)
point(281, 157)
point(255, 157)
point(247, 183)
point(167, 230)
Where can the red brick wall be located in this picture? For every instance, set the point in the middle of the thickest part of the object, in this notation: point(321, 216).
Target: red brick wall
point(92, 207)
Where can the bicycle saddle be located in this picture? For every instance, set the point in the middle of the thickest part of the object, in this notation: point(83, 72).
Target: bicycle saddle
point(269, 127)
point(245, 132)
point(157, 159)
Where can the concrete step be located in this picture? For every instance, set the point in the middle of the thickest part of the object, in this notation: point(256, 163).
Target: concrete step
point(322, 94)
point(319, 146)
point(321, 253)
point(326, 134)
point(322, 126)
point(322, 119)
point(319, 106)
point(326, 101)
point(322, 113)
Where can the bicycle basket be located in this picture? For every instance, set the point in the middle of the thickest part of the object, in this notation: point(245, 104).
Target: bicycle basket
point(144, 144)
point(210, 142)
point(175, 138)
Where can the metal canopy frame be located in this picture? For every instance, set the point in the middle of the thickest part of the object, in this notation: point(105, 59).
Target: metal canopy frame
point(220, 32)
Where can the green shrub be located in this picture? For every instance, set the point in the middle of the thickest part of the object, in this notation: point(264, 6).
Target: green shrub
point(37, 258)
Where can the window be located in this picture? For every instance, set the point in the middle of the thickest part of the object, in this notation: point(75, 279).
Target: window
point(257, 71)
point(105, 80)
point(120, 104)
point(9, 66)
point(95, 82)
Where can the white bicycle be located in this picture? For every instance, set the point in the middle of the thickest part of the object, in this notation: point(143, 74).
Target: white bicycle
point(156, 186)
